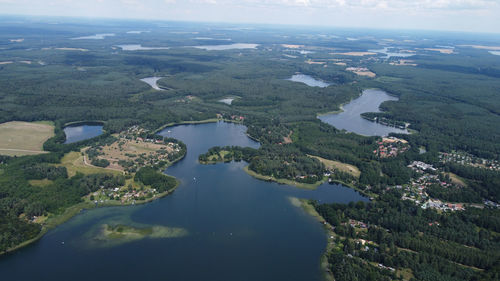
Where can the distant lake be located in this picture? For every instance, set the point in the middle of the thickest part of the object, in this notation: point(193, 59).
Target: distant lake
point(308, 80)
point(227, 47)
point(95, 37)
point(350, 119)
point(239, 228)
point(391, 54)
point(227, 101)
point(496, 53)
point(82, 132)
point(138, 47)
point(151, 81)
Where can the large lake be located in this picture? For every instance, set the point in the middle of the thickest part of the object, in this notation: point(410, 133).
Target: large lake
point(227, 46)
point(308, 80)
point(138, 47)
point(82, 132)
point(350, 119)
point(239, 228)
point(389, 54)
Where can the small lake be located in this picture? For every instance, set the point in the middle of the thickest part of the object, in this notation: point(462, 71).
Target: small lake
point(239, 228)
point(138, 47)
point(95, 37)
point(350, 119)
point(227, 47)
point(391, 54)
point(308, 80)
point(82, 132)
point(227, 101)
point(151, 81)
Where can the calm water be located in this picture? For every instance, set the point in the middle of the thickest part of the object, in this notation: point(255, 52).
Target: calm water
point(151, 81)
point(308, 80)
point(496, 53)
point(391, 54)
point(138, 47)
point(351, 120)
point(227, 101)
point(227, 47)
point(82, 132)
point(239, 228)
point(95, 37)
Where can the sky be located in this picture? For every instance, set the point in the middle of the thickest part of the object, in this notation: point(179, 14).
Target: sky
point(455, 15)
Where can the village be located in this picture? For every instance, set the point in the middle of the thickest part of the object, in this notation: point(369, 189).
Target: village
point(132, 149)
point(463, 158)
point(416, 190)
point(391, 147)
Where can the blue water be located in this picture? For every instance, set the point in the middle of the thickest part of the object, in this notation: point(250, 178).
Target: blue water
point(82, 132)
point(240, 228)
point(350, 119)
point(308, 80)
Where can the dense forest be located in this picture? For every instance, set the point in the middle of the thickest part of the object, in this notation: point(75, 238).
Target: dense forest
point(400, 235)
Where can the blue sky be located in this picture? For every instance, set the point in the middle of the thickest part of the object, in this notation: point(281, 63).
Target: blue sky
point(458, 15)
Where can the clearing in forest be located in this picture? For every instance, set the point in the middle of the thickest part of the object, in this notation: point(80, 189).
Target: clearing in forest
point(331, 165)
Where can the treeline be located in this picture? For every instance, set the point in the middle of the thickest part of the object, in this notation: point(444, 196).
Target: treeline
point(279, 161)
point(151, 176)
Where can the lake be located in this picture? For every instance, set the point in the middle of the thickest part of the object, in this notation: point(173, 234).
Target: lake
point(82, 132)
point(496, 53)
point(151, 81)
point(391, 54)
point(95, 37)
point(227, 47)
point(350, 119)
point(227, 101)
point(138, 47)
point(308, 80)
point(239, 228)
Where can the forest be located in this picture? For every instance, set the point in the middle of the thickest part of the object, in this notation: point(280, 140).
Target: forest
point(400, 235)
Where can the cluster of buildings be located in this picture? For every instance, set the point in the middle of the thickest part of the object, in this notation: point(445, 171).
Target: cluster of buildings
point(443, 206)
point(391, 147)
point(467, 159)
point(123, 194)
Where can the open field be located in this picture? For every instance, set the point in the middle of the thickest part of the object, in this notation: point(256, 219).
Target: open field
point(41, 183)
point(330, 164)
point(24, 138)
point(75, 162)
point(456, 179)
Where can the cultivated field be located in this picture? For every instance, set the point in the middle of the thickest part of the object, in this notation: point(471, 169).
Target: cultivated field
point(24, 138)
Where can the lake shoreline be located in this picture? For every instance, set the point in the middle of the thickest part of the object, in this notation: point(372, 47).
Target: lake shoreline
point(70, 212)
point(309, 209)
point(308, 186)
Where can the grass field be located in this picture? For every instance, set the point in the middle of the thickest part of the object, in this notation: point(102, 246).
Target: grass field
point(24, 138)
point(41, 183)
point(330, 164)
point(74, 162)
point(456, 179)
